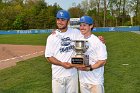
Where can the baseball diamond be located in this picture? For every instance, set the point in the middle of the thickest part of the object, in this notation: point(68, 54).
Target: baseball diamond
point(10, 54)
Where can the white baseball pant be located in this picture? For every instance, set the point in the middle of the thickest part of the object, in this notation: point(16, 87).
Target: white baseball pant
point(89, 88)
point(65, 84)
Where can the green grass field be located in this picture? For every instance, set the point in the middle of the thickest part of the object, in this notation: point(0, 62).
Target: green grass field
point(24, 39)
point(34, 75)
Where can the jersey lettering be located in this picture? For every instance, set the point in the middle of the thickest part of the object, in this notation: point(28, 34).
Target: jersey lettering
point(66, 45)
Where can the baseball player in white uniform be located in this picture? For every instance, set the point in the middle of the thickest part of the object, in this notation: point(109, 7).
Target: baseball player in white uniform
point(92, 77)
point(59, 49)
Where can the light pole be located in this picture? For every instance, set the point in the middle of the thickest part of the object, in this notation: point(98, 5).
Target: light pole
point(116, 18)
point(132, 14)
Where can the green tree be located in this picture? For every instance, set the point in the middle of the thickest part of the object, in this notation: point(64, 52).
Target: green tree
point(19, 23)
point(76, 12)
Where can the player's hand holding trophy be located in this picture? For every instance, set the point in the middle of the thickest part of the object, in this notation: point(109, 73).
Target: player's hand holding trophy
point(80, 59)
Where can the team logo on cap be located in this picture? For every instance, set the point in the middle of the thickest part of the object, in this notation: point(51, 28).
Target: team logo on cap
point(82, 19)
point(61, 13)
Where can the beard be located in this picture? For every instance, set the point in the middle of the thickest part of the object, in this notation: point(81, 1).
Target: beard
point(61, 26)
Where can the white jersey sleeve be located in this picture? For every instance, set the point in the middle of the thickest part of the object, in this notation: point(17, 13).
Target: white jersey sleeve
point(98, 47)
point(101, 51)
point(49, 47)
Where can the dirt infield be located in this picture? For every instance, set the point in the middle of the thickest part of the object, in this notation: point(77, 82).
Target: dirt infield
point(11, 54)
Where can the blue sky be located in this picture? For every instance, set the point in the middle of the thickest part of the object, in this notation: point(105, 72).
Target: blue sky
point(65, 4)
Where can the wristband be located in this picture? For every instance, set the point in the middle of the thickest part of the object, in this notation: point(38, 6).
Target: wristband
point(90, 68)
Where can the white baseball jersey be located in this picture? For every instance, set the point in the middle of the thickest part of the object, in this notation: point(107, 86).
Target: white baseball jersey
point(60, 46)
point(97, 51)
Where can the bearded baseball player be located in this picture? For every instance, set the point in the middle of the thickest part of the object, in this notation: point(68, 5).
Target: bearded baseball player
point(59, 49)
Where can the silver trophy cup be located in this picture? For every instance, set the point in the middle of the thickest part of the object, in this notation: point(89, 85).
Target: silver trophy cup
point(80, 48)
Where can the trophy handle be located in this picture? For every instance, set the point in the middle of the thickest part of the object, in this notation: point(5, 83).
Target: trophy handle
point(86, 45)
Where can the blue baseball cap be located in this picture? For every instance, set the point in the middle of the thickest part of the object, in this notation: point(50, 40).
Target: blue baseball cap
point(86, 19)
point(63, 14)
